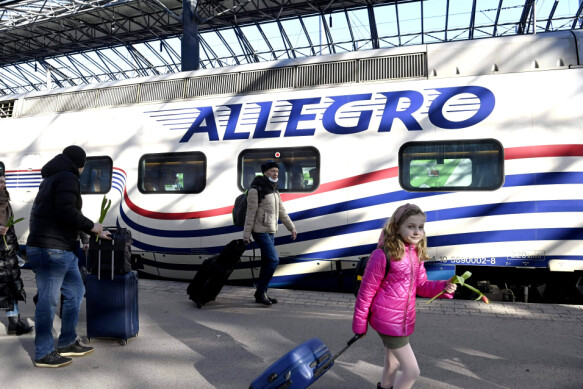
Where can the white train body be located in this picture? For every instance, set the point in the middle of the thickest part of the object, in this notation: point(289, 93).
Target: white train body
point(350, 116)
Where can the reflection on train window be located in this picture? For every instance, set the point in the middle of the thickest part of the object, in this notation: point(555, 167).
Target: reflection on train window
point(457, 165)
point(96, 177)
point(172, 173)
point(299, 167)
point(2, 168)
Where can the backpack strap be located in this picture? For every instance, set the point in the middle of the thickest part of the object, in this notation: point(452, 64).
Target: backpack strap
point(388, 264)
point(259, 192)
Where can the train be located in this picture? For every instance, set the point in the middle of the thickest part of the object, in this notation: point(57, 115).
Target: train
point(484, 135)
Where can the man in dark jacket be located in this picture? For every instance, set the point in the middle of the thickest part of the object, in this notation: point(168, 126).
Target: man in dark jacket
point(55, 222)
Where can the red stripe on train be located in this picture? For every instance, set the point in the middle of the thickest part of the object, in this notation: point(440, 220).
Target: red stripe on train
point(509, 153)
point(543, 151)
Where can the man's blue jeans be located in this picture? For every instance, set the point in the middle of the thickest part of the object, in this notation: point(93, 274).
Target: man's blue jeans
point(14, 312)
point(269, 259)
point(56, 272)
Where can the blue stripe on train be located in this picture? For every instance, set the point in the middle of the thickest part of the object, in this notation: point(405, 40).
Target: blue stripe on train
point(447, 214)
point(553, 178)
point(386, 198)
point(289, 260)
point(557, 234)
point(536, 234)
point(510, 208)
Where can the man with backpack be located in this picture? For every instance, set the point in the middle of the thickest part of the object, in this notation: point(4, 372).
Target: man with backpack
point(264, 209)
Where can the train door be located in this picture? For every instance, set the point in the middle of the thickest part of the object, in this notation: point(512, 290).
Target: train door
point(28, 177)
point(23, 186)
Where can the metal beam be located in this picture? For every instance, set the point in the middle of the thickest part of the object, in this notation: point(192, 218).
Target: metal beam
point(524, 17)
point(246, 46)
point(446, 19)
point(286, 42)
point(473, 20)
point(329, 40)
point(308, 37)
point(578, 16)
point(349, 24)
point(190, 43)
point(497, 18)
point(374, 35)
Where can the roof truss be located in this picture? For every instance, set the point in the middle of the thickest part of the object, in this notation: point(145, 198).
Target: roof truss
point(73, 42)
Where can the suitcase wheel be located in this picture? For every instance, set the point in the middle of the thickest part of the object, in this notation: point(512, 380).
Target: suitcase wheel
point(123, 342)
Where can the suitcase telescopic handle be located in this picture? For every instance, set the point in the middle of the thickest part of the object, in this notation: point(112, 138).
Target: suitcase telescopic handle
point(354, 339)
point(328, 364)
point(348, 344)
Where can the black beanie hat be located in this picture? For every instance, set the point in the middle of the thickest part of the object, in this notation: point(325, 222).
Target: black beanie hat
point(76, 154)
point(268, 165)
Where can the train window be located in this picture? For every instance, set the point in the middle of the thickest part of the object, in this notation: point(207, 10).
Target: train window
point(172, 173)
point(96, 177)
point(457, 165)
point(299, 167)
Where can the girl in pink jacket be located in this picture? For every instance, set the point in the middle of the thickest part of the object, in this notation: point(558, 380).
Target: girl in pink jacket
point(388, 303)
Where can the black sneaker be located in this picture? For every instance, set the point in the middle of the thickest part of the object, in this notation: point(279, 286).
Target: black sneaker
point(54, 359)
point(272, 300)
point(75, 350)
point(261, 298)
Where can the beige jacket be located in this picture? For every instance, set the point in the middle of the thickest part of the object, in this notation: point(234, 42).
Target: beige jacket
point(263, 216)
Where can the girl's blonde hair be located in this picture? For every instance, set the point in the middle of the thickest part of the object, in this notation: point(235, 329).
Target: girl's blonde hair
point(393, 244)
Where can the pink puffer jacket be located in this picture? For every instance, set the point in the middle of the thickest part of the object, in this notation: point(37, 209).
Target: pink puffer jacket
point(389, 303)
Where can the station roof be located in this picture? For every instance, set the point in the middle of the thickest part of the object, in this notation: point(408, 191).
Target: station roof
point(73, 42)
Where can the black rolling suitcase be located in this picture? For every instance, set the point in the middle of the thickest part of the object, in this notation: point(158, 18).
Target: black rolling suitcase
point(214, 272)
point(109, 257)
point(112, 306)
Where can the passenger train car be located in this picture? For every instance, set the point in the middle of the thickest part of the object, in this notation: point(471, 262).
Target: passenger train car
point(484, 135)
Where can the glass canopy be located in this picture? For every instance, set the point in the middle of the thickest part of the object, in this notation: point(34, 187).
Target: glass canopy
point(61, 43)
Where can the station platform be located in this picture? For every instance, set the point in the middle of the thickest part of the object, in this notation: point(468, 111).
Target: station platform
point(229, 342)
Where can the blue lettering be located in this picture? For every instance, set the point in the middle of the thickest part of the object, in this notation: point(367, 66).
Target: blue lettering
point(480, 110)
point(295, 116)
point(390, 112)
point(206, 115)
point(329, 118)
point(487, 103)
point(232, 124)
point(260, 131)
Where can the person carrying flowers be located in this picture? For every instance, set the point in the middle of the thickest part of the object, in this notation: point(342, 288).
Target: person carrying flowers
point(55, 222)
point(11, 285)
point(387, 302)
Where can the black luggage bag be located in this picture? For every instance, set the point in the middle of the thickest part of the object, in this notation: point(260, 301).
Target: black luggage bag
point(109, 257)
point(112, 307)
point(214, 272)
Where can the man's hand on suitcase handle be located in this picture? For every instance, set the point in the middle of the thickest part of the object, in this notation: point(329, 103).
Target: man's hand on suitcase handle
point(105, 235)
point(100, 232)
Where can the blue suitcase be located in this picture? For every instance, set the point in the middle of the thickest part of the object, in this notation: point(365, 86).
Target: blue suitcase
point(112, 307)
point(300, 367)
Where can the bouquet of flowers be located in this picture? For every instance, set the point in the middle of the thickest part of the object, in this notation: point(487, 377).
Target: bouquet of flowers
point(461, 280)
point(105, 204)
